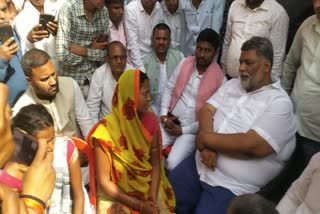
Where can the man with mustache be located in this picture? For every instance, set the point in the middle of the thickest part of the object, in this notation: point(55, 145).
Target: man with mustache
point(61, 96)
point(160, 63)
point(247, 18)
point(246, 133)
point(301, 80)
point(194, 80)
point(116, 23)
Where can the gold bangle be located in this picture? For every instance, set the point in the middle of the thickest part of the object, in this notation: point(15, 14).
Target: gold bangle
point(38, 200)
point(34, 205)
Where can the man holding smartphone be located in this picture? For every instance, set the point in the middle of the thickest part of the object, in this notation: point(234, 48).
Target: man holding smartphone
point(40, 29)
point(10, 69)
point(194, 80)
point(82, 38)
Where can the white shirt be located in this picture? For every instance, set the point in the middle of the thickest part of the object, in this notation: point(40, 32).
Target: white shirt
point(186, 105)
point(163, 78)
point(52, 4)
point(101, 90)
point(301, 78)
point(208, 15)
point(303, 195)
point(177, 25)
point(139, 26)
point(269, 20)
point(267, 111)
point(25, 21)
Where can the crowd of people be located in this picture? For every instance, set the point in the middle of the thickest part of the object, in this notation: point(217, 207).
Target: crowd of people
point(146, 106)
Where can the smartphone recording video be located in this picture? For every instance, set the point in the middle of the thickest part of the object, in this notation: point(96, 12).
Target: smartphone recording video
point(5, 32)
point(44, 19)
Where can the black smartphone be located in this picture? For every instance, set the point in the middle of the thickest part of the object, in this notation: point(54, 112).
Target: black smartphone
point(26, 146)
point(175, 121)
point(5, 32)
point(102, 38)
point(44, 19)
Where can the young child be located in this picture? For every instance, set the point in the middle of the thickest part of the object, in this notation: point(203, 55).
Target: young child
point(35, 121)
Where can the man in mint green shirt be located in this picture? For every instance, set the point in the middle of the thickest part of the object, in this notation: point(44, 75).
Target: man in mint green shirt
point(160, 63)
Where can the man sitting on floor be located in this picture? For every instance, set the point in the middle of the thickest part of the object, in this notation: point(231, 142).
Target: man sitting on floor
point(194, 81)
point(61, 96)
point(160, 63)
point(246, 133)
point(104, 80)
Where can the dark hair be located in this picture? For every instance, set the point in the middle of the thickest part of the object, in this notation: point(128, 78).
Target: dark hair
point(261, 45)
point(209, 35)
point(161, 26)
point(115, 43)
point(251, 204)
point(32, 118)
point(108, 2)
point(32, 59)
point(142, 77)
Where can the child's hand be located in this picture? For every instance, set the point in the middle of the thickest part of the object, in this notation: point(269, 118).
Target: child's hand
point(40, 178)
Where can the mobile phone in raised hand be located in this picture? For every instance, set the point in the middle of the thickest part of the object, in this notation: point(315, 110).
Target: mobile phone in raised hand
point(6, 32)
point(44, 19)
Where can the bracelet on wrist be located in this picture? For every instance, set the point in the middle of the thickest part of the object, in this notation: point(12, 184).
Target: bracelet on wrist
point(34, 205)
point(33, 198)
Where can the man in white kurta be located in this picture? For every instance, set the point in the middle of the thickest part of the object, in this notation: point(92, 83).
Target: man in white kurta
point(247, 19)
point(104, 80)
point(140, 18)
point(198, 78)
point(27, 19)
point(246, 133)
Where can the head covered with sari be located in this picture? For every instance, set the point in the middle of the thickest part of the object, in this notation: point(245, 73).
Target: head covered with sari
point(126, 135)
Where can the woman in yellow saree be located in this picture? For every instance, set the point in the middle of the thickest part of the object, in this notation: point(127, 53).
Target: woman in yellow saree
point(126, 146)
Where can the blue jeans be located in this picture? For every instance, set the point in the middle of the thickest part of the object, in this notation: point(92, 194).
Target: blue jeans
point(195, 196)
